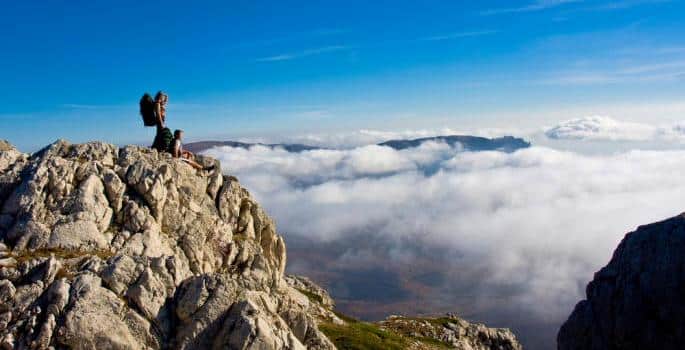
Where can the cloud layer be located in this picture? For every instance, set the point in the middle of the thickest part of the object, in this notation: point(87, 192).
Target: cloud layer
point(498, 234)
point(600, 128)
point(365, 137)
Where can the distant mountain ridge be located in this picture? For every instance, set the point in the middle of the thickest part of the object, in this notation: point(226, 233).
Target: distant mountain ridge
point(468, 142)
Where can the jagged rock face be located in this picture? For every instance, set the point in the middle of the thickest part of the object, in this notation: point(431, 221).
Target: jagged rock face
point(454, 331)
point(102, 247)
point(636, 301)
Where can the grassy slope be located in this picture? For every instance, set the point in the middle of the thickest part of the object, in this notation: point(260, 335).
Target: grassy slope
point(357, 335)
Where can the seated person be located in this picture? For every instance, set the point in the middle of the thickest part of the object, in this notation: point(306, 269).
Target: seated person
point(177, 151)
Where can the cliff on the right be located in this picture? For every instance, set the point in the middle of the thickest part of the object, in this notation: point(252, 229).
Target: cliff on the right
point(637, 301)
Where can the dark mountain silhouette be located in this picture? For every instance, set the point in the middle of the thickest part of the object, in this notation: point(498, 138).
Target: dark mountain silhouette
point(470, 143)
point(636, 301)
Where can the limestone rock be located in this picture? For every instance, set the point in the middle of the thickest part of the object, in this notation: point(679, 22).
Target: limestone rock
point(96, 318)
point(456, 332)
point(11, 163)
point(304, 284)
point(246, 327)
point(127, 248)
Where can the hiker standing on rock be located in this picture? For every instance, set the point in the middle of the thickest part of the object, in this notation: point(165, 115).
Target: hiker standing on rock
point(163, 138)
point(161, 100)
point(154, 114)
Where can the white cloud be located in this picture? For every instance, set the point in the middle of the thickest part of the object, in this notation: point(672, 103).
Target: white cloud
point(675, 132)
point(364, 137)
point(601, 128)
point(619, 5)
point(538, 5)
point(459, 35)
point(598, 128)
point(534, 224)
point(304, 53)
point(636, 74)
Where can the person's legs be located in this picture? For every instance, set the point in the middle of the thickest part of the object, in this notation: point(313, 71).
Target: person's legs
point(195, 164)
point(191, 163)
point(188, 157)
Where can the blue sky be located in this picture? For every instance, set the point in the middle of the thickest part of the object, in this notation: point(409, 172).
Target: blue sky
point(232, 69)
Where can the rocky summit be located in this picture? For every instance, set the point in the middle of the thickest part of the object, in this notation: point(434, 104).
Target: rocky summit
point(636, 301)
point(126, 248)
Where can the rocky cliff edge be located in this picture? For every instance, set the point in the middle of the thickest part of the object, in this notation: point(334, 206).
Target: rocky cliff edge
point(636, 301)
point(126, 248)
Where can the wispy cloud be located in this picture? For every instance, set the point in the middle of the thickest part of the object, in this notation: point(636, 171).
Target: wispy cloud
point(304, 53)
point(337, 48)
point(458, 35)
point(610, 78)
point(91, 107)
point(669, 50)
point(645, 72)
point(653, 67)
point(297, 36)
point(538, 5)
point(620, 5)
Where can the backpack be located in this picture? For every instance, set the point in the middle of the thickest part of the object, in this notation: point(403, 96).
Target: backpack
point(147, 110)
point(163, 140)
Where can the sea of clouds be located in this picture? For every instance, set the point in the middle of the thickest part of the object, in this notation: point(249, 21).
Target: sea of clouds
point(522, 231)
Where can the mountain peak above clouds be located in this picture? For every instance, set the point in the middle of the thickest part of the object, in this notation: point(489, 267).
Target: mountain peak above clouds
point(106, 247)
point(469, 143)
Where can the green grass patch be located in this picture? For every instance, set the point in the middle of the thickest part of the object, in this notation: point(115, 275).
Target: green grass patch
point(439, 321)
point(442, 321)
point(434, 343)
point(359, 335)
point(362, 336)
point(344, 317)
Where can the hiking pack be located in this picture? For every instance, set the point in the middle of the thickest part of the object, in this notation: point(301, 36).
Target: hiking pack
point(147, 110)
point(163, 140)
